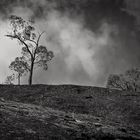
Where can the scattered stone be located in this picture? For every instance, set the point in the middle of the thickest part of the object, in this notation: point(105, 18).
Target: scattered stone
point(2, 99)
point(98, 124)
point(88, 97)
point(30, 131)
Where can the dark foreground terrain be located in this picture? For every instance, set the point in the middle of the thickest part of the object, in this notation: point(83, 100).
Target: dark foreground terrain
point(67, 112)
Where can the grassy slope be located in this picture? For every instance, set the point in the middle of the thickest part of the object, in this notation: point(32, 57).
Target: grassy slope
point(110, 113)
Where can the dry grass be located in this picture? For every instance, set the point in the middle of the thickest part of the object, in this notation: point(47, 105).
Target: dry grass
point(68, 112)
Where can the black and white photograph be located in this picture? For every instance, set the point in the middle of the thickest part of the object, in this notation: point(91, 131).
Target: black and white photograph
point(69, 69)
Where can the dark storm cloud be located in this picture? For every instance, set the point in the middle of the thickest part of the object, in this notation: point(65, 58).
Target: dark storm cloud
point(104, 39)
point(7, 6)
point(92, 10)
point(74, 6)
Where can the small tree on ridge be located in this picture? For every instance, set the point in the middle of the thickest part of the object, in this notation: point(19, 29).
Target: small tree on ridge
point(130, 80)
point(20, 66)
point(9, 79)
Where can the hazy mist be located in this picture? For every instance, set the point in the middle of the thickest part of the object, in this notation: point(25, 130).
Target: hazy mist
point(90, 38)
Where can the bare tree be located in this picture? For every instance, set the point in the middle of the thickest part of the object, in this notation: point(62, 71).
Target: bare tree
point(130, 80)
point(33, 52)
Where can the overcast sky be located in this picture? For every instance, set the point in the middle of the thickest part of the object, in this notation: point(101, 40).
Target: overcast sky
point(90, 38)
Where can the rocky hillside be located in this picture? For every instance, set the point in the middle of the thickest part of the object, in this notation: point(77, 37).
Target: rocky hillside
point(68, 112)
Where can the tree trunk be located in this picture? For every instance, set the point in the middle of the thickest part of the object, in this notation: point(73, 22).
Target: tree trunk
point(18, 79)
point(31, 73)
